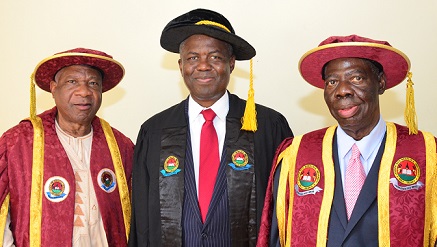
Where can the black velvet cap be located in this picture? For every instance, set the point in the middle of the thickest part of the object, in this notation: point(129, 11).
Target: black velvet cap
point(207, 22)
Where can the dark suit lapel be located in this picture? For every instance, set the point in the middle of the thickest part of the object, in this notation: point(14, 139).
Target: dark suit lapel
point(232, 133)
point(368, 193)
point(190, 180)
point(190, 183)
point(219, 189)
point(338, 204)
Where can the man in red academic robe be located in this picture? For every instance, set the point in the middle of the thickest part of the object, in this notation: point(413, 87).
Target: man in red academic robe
point(348, 185)
point(65, 174)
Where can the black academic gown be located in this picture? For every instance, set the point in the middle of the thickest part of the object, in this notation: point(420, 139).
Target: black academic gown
point(157, 201)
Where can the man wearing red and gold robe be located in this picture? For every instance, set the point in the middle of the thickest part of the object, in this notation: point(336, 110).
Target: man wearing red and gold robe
point(365, 182)
point(65, 173)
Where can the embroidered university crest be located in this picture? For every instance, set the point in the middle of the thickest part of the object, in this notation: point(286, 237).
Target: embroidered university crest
point(107, 180)
point(307, 180)
point(56, 189)
point(171, 165)
point(406, 171)
point(240, 161)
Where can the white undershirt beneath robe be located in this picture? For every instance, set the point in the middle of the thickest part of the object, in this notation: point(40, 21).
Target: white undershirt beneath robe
point(88, 229)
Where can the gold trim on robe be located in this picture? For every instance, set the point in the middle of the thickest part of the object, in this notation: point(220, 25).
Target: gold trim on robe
point(37, 179)
point(119, 173)
point(37, 182)
point(4, 214)
point(284, 202)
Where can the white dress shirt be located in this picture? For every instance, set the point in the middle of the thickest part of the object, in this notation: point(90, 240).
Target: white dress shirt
point(368, 146)
point(196, 120)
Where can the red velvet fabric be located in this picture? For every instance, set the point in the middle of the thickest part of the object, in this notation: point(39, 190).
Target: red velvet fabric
point(306, 209)
point(112, 71)
point(267, 214)
point(57, 219)
point(395, 63)
point(407, 208)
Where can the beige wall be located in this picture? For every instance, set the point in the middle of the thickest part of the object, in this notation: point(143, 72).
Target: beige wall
point(281, 31)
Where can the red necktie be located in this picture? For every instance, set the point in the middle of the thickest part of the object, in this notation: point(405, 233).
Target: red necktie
point(209, 162)
point(355, 177)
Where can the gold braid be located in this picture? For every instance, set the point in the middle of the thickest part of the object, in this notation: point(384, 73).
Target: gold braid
point(212, 23)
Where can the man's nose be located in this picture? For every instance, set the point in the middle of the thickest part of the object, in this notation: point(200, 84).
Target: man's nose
point(344, 89)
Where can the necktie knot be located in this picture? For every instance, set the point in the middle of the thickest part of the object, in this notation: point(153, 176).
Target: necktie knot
point(208, 114)
point(355, 152)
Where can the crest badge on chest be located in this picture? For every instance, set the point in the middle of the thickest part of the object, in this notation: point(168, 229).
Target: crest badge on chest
point(240, 161)
point(307, 179)
point(107, 180)
point(407, 174)
point(56, 189)
point(171, 166)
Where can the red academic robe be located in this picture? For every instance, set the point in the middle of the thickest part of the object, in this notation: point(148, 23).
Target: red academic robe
point(406, 190)
point(16, 149)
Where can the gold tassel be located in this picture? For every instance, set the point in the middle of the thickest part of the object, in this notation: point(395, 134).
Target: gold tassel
point(32, 98)
point(410, 109)
point(249, 118)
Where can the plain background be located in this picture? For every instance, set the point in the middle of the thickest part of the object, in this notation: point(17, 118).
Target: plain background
point(281, 32)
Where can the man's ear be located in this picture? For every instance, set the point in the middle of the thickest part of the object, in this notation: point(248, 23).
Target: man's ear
point(232, 63)
point(180, 65)
point(53, 86)
point(381, 83)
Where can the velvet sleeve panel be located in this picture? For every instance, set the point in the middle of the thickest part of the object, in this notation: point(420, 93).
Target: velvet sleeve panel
point(4, 179)
point(13, 144)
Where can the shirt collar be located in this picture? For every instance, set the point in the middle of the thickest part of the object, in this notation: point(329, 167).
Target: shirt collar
point(220, 107)
point(366, 145)
point(61, 131)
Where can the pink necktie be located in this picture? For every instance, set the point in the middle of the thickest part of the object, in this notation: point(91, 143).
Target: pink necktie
point(355, 177)
point(209, 161)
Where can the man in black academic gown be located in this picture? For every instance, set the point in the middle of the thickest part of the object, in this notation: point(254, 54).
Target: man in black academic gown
point(167, 177)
